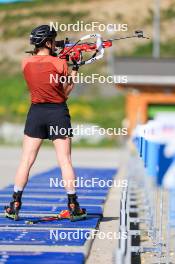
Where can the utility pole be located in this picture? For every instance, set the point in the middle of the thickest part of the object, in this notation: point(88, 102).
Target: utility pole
point(156, 30)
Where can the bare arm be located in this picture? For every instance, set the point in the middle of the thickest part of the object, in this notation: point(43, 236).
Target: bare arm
point(68, 86)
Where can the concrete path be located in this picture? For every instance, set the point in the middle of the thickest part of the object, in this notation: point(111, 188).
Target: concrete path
point(10, 156)
point(104, 250)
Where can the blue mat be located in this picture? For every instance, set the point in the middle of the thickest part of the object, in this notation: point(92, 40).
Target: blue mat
point(97, 210)
point(82, 173)
point(47, 237)
point(52, 201)
point(35, 210)
point(46, 192)
point(79, 171)
point(55, 193)
point(41, 258)
point(90, 222)
point(101, 174)
point(29, 235)
point(39, 187)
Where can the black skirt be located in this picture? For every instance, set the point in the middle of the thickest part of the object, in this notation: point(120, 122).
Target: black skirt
point(48, 121)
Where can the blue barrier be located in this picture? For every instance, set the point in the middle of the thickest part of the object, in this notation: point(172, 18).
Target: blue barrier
point(41, 258)
point(150, 142)
point(155, 143)
point(144, 151)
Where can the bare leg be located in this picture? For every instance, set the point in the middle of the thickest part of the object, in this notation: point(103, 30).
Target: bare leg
point(63, 152)
point(30, 150)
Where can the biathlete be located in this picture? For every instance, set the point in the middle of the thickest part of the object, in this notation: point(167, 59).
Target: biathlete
point(48, 113)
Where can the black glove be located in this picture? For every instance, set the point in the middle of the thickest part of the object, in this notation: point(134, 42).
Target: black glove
point(75, 66)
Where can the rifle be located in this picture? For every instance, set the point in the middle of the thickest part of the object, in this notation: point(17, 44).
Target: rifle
point(74, 51)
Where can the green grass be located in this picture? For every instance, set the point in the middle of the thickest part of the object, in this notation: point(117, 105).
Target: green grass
point(168, 13)
point(14, 98)
point(19, 29)
point(12, 89)
point(72, 16)
point(149, 19)
point(34, 3)
point(106, 112)
point(165, 15)
point(107, 143)
point(167, 50)
point(158, 108)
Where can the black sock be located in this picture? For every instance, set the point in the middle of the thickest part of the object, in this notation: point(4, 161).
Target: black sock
point(72, 198)
point(17, 196)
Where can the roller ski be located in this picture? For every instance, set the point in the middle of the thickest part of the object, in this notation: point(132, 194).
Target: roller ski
point(76, 213)
point(64, 214)
point(12, 211)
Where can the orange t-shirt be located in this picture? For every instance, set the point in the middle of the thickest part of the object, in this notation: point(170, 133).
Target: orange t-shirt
point(42, 74)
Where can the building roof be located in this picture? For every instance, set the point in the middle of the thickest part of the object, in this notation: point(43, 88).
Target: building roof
point(146, 71)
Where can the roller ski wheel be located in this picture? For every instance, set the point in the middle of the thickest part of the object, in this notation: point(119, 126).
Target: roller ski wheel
point(78, 215)
point(12, 211)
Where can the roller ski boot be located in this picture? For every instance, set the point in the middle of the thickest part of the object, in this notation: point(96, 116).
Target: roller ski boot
point(12, 211)
point(76, 213)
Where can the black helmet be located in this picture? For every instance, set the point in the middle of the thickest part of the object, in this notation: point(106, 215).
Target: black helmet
point(41, 34)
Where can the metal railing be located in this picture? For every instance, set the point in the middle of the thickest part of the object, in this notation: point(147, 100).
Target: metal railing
point(147, 209)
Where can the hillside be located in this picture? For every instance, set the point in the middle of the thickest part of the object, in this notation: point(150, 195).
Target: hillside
point(17, 20)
